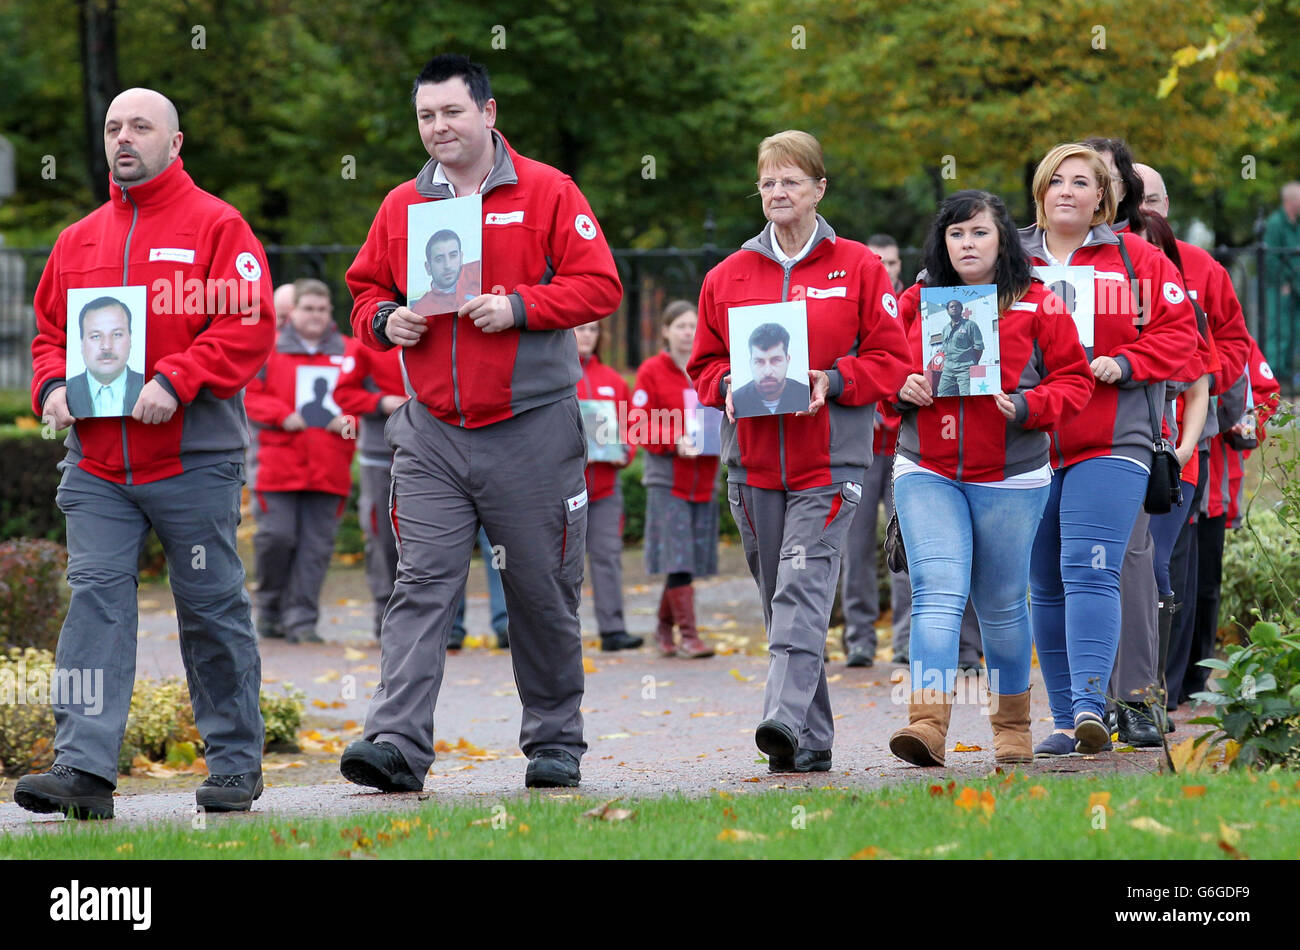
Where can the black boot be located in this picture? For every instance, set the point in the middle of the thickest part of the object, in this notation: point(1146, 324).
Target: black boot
point(1137, 727)
point(619, 640)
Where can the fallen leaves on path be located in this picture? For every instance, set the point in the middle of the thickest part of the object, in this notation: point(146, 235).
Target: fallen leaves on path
point(606, 813)
point(737, 675)
point(588, 666)
point(1096, 799)
point(329, 676)
point(962, 747)
point(1151, 825)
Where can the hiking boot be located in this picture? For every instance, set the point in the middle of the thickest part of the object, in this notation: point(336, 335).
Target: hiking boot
point(230, 792)
point(64, 789)
point(379, 765)
point(553, 768)
point(619, 640)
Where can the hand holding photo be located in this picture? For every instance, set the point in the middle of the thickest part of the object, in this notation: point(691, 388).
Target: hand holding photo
point(105, 373)
point(959, 333)
point(444, 246)
point(769, 358)
point(1074, 285)
point(702, 424)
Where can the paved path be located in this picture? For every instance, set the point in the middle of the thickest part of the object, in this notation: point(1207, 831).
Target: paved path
point(654, 726)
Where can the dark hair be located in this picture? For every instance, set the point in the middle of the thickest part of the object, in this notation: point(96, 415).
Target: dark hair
point(446, 234)
point(768, 335)
point(1129, 207)
point(1011, 272)
point(449, 66)
point(1157, 231)
point(100, 303)
point(675, 310)
point(881, 240)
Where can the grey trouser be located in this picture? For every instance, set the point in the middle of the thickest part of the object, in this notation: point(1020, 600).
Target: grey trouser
point(793, 552)
point(291, 553)
point(195, 515)
point(1137, 660)
point(860, 596)
point(522, 479)
point(605, 555)
point(381, 546)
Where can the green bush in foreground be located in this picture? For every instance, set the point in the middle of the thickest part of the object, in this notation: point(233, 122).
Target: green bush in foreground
point(1261, 565)
point(160, 721)
point(33, 593)
point(1257, 700)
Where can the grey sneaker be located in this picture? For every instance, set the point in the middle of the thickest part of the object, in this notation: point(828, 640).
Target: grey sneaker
point(64, 789)
point(230, 792)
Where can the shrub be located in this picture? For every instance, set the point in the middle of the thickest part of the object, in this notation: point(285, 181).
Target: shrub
point(33, 593)
point(15, 404)
point(160, 721)
point(29, 476)
point(1261, 569)
point(1257, 702)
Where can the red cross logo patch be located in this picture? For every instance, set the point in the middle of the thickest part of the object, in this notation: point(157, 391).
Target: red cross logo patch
point(248, 267)
point(586, 228)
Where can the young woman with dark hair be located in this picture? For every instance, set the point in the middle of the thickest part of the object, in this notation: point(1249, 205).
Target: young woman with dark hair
point(971, 477)
point(1124, 179)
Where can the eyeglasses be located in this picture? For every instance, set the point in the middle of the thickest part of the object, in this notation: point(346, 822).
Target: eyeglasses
point(768, 185)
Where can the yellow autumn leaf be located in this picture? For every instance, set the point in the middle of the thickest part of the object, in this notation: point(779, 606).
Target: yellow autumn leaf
point(588, 666)
point(1186, 56)
point(1229, 835)
point(1099, 798)
point(740, 834)
point(968, 799)
point(866, 854)
point(1193, 791)
point(329, 676)
point(1151, 825)
point(1037, 791)
point(987, 802)
point(736, 674)
point(352, 655)
point(1168, 83)
point(962, 747)
point(1226, 80)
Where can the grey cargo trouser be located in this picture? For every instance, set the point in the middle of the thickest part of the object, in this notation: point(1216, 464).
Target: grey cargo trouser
point(195, 515)
point(605, 554)
point(291, 553)
point(522, 479)
point(381, 546)
point(1137, 660)
point(792, 542)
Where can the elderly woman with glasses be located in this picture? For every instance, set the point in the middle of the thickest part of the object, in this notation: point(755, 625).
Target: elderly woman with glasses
point(794, 478)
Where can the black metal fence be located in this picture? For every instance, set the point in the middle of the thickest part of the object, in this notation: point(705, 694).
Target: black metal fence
point(652, 279)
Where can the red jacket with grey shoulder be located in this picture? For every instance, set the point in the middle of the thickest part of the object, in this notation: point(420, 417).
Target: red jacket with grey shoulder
point(603, 382)
point(1116, 421)
point(1211, 287)
point(210, 323)
point(657, 421)
point(1043, 371)
point(368, 376)
point(542, 247)
point(854, 336)
point(310, 459)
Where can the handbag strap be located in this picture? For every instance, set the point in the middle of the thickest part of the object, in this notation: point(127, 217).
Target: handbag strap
point(1156, 435)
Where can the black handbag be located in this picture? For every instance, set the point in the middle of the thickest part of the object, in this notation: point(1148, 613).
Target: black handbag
point(895, 553)
point(1165, 484)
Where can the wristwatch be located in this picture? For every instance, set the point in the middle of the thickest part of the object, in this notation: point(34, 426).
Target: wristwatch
point(380, 321)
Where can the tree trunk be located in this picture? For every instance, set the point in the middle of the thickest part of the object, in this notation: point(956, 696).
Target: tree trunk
point(99, 82)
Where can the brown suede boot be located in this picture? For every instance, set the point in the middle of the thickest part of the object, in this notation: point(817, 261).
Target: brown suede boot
point(923, 740)
point(664, 632)
point(1012, 741)
point(682, 601)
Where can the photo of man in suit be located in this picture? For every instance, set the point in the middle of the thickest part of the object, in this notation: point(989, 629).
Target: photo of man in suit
point(108, 387)
point(770, 392)
point(452, 282)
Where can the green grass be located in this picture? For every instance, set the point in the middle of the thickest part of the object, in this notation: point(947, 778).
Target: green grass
point(1258, 816)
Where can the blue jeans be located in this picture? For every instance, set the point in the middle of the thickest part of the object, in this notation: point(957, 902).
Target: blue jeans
point(1074, 580)
point(963, 540)
point(1164, 533)
point(496, 593)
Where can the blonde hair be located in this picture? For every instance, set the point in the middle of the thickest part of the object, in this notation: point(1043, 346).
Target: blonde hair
point(795, 148)
point(1053, 160)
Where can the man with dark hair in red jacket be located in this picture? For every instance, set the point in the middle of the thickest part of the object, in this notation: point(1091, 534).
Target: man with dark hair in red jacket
point(491, 437)
point(173, 462)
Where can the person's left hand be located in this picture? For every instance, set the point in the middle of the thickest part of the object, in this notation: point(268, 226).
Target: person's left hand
point(730, 405)
point(819, 384)
point(1005, 405)
point(1105, 369)
point(491, 313)
point(338, 423)
point(155, 404)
